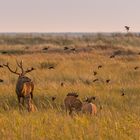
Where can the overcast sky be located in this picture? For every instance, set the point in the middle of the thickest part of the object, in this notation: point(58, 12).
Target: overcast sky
point(69, 15)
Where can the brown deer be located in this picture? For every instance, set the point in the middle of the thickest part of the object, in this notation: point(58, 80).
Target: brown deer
point(24, 86)
point(88, 107)
point(72, 103)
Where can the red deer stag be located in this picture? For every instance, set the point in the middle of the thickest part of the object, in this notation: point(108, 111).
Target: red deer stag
point(24, 86)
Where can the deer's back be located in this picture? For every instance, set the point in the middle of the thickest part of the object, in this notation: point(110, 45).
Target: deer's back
point(73, 103)
point(24, 86)
point(89, 108)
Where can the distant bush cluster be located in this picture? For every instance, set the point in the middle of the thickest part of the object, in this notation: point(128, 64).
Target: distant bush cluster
point(71, 39)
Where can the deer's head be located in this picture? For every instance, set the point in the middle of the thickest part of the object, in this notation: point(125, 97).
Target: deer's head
point(89, 99)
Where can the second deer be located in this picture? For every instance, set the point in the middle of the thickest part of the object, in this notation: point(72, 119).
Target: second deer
point(72, 103)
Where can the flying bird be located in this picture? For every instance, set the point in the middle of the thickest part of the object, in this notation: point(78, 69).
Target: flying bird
point(53, 98)
point(112, 56)
point(4, 52)
point(1, 66)
point(51, 67)
point(66, 48)
point(95, 73)
point(62, 84)
point(122, 91)
point(108, 80)
point(127, 28)
point(1, 80)
point(136, 68)
point(100, 66)
point(46, 48)
point(95, 80)
point(73, 49)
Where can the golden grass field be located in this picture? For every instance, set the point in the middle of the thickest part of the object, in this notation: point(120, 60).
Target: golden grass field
point(119, 118)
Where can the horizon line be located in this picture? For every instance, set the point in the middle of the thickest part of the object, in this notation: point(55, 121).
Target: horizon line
point(66, 32)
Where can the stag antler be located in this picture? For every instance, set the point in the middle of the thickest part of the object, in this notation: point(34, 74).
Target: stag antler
point(15, 72)
point(29, 70)
point(20, 65)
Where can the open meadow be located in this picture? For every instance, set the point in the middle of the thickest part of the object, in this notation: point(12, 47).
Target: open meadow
point(91, 65)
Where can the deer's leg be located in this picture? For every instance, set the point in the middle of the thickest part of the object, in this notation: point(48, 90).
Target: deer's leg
point(31, 95)
point(28, 101)
point(32, 89)
point(70, 111)
point(66, 110)
point(30, 104)
point(19, 101)
point(22, 101)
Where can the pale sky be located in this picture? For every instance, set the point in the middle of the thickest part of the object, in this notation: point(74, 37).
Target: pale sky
point(69, 15)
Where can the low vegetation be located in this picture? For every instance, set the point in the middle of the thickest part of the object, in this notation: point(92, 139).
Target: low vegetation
point(117, 89)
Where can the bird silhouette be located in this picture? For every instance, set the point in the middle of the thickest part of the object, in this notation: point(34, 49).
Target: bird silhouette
point(136, 67)
point(95, 80)
point(1, 80)
point(53, 98)
point(66, 48)
point(62, 84)
point(46, 48)
point(108, 80)
point(127, 28)
point(95, 73)
point(32, 68)
point(73, 49)
point(51, 67)
point(122, 91)
point(100, 66)
point(112, 56)
point(4, 52)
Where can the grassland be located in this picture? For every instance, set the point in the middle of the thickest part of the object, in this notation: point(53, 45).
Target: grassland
point(119, 118)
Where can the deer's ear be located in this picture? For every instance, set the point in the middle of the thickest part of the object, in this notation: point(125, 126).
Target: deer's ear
point(68, 94)
point(93, 97)
point(76, 95)
point(86, 98)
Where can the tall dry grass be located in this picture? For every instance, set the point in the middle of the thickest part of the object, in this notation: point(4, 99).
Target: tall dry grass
point(119, 117)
